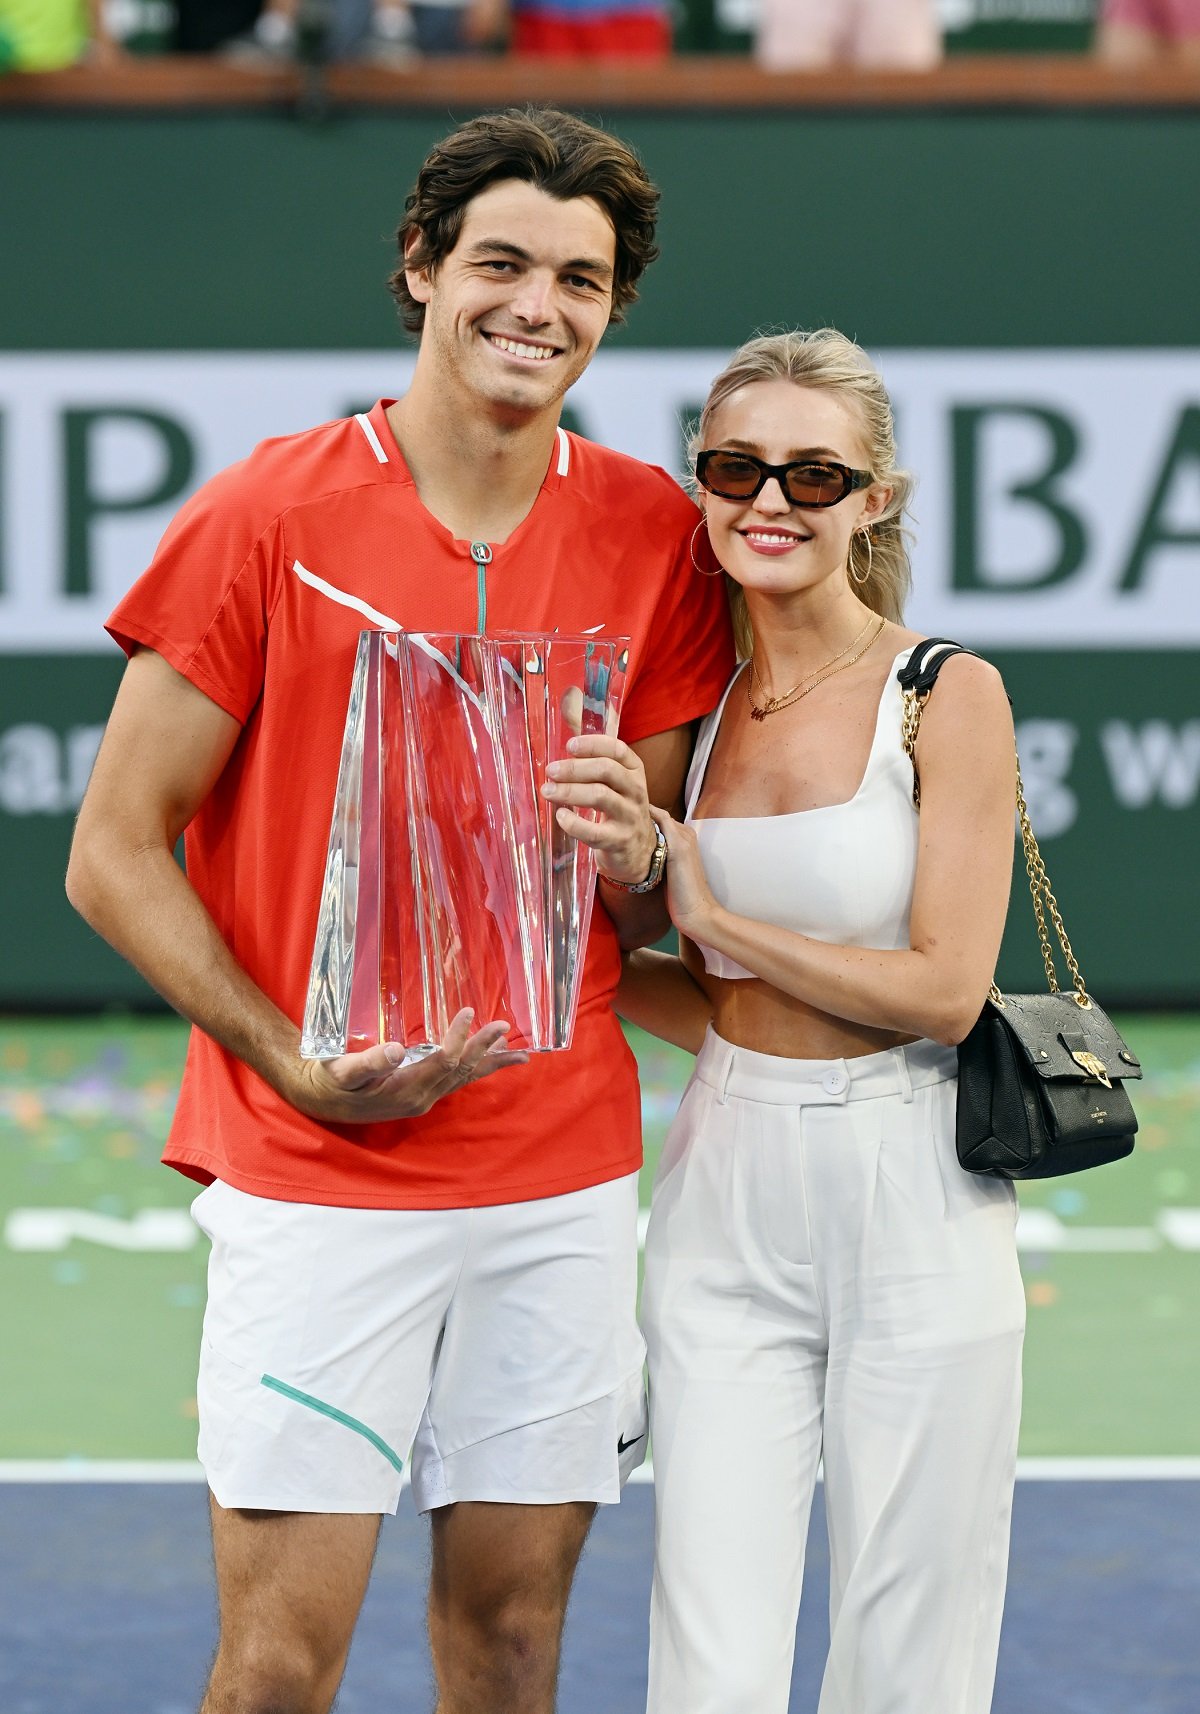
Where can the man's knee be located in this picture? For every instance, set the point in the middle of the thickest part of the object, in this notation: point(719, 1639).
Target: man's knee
point(518, 1623)
point(497, 1600)
point(504, 1652)
point(269, 1675)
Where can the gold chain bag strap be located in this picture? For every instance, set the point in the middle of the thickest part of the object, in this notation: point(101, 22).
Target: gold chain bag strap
point(1041, 1077)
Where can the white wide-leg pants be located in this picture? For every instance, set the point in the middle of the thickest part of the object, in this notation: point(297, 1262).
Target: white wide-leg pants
point(824, 1280)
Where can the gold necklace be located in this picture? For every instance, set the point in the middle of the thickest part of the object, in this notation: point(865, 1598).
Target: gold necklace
point(798, 691)
point(773, 701)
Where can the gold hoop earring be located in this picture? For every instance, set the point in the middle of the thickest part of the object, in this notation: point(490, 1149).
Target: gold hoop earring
point(866, 576)
point(720, 571)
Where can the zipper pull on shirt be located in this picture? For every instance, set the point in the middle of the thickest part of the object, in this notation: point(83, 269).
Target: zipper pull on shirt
point(481, 553)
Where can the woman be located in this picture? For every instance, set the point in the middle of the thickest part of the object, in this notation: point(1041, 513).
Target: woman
point(809, 35)
point(1131, 33)
point(823, 1281)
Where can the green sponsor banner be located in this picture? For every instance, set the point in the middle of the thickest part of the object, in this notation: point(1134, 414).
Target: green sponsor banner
point(250, 232)
point(970, 26)
point(1111, 752)
point(52, 715)
point(1026, 278)
point(1110, 749)
point(1018, 26)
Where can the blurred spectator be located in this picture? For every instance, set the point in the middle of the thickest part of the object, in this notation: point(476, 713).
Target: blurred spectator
point(455, 26)
point(386, 31)
point(201, 26)
point(1136, 32)
point(805, 35)
point(45, 35)
point(589, 29)
point(289, 29)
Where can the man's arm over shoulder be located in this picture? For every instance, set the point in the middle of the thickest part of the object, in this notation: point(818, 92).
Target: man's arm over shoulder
point(165, 746)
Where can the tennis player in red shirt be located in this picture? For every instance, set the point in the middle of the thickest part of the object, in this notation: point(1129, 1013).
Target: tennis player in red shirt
point(429, 1263)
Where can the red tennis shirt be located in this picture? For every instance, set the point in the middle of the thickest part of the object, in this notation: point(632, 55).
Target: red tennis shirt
point(257, 594)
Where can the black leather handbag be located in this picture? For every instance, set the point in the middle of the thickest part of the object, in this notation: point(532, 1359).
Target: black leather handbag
point(1041, 1077)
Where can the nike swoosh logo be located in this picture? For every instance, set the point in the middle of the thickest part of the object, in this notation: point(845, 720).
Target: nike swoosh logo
point(623, 1445)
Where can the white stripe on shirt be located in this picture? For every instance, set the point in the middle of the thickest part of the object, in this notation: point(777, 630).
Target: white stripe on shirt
point(368, 427)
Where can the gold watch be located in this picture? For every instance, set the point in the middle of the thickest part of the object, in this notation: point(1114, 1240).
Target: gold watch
point(658, 868)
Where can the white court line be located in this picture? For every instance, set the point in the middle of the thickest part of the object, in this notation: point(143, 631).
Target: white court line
point(100, 1470)
point(181, 1470)
point(1041, 1231)
point(167, 1229)
point(1108, 1469)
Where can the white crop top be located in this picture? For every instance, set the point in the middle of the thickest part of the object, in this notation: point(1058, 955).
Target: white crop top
point(843, 873)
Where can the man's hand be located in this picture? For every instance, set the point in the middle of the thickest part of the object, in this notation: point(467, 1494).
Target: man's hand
point(362, 1088)
point(165, 745)
point(604, 775)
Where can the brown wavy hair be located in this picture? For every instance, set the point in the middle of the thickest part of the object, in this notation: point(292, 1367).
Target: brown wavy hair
point(556, 152)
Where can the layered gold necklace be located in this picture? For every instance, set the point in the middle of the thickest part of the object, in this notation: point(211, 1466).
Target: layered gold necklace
point(846, 658)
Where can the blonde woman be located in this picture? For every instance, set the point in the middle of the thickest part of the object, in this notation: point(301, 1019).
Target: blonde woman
point(824, 1283)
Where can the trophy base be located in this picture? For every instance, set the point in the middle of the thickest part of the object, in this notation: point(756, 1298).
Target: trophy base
point(310, 1049)
point(324, 1048)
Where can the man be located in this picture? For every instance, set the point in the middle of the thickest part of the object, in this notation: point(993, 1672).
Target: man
point(588, 29)
point(398, 1258)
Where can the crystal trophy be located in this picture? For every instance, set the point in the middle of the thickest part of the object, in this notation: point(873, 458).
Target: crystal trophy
point(448, 881)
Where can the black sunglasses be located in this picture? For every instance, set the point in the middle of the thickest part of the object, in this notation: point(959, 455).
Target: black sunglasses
point(806, 482)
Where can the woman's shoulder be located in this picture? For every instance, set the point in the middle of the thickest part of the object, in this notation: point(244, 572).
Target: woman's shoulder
point(970, 671)
point(969, 690)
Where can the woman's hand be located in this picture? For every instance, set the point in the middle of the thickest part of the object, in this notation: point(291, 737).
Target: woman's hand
point(689, 897)
point(605, 776)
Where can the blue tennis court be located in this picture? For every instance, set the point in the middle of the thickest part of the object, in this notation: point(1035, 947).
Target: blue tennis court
point(108, 1605)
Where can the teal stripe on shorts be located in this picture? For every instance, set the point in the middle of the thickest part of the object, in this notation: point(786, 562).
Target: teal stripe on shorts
point(335, 1415)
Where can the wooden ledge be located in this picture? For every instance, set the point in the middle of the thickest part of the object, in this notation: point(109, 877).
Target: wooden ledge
point(706, 83)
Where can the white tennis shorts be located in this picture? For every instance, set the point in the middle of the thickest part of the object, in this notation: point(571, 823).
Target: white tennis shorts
point(497, 1347)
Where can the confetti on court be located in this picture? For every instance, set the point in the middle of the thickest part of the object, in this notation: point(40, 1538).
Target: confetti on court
point(95, 1236)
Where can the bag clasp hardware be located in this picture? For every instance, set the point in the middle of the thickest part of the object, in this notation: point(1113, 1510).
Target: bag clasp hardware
point(1094, 1067)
